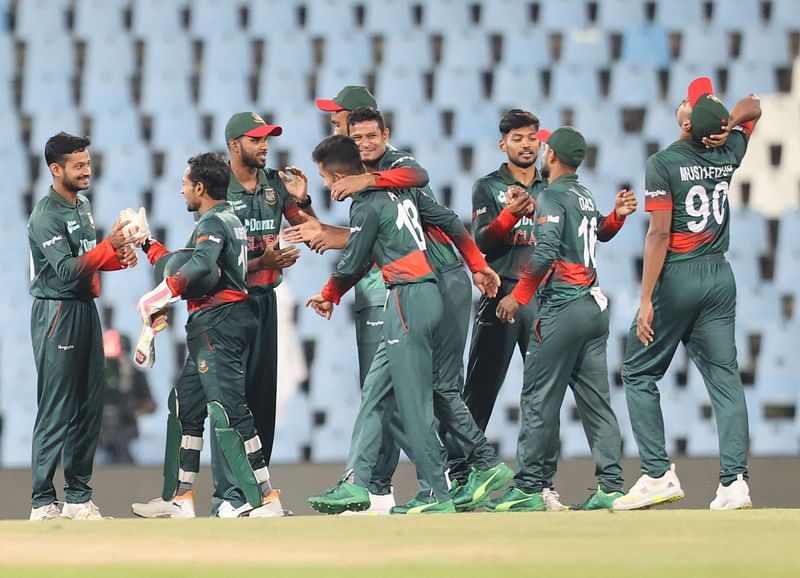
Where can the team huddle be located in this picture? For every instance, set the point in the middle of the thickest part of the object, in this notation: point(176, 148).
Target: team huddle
point(531, 254)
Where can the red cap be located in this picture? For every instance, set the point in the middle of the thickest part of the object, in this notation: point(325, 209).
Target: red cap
point(328, 105)
point(698, 87)
point(265, 130)
point(542, 135)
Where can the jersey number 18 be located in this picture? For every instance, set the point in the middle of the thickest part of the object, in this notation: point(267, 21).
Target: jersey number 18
point(408, 217)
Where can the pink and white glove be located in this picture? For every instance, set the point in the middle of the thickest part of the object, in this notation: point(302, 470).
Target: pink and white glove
point(137, 230)
point(155, 301)
point(145, 355)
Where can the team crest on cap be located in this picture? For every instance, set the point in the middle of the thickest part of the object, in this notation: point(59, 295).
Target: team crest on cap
point(202, 366)
point(270, 196)
point(257, 119)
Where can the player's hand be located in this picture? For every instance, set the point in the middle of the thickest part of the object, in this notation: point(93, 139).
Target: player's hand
point(352, 184)
point(117, 234)
point(625, 203)
point(717, 140)
point(320, 243)
point(276, 258)
point(127, 256)
point(296, 182)
point(644, 323)
point(487, 281)
point(507, 309)
point(320, 305)
point(304, 232)
point(520, 203)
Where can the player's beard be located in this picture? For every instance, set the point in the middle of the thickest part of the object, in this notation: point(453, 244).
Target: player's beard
point(520, 163)
point(545, 170)
point(74, 185)
point(252, 162)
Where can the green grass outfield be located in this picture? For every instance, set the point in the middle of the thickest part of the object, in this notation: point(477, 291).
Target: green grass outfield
point(674, 543)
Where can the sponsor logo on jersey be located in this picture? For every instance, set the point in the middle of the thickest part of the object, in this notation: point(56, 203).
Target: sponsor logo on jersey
point(72, 226)
point(392, 341)
point(480, 211)
point(698, 173)
point(214, 239)
point(259, 224)
point(51, 242)
point(240, 233)
point(374, 323)
point(397, 162)
point(656, 193)
point(86, 246)
point(202, 366)
point(270, 196)
point(355, 229)
point(549, 219)
point(66, 347)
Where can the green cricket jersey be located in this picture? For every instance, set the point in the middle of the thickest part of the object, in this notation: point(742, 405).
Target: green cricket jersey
point(568, 226)
point(692, 182)
point(65, 255)
point(506, 240)
point(261, 212)
point(387, 229)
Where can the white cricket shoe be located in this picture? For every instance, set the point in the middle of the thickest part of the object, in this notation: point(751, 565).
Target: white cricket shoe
point(85, 511)
point(552, 501)
point(649, 491)
point(270, 507)
point(43, 513)
point(179, 507)
point(379, 505)
point(733, 497)
point(228, 510)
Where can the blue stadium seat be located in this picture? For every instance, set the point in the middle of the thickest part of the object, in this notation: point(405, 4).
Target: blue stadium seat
point(462, 49)
point(506, 16)
point(512, 84)
point(572, 85)
point(210, 19)
point(445, 16)
point(702, 50)
point(406, 50)
point(411, 121)
point(563, 15)
point(120, 127)
point(633, 85)
point(223, 92)
point(34, 16)
point(271, 18)
point(48, 122)
point(674, 15)
point(761, 47)
point(285, 86)
point(646, 46)
point(94, 15)
point(588, 47)
point(785, 14)
point(399, 88)
point(744, 78)
point(736, 14)
point(620, 15)
point(530, 50)
point(156, 18)
point(349, 53)
point(323, 17)
point(179, 125)
point(472, 125)
point(387, 16)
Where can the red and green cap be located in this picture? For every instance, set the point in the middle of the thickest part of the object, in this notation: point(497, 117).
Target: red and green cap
point(349, 99)
point(568, 144)
point(709, 115)
point(249, 124)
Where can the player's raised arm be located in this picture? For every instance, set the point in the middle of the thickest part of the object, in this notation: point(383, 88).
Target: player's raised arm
point(624, 204)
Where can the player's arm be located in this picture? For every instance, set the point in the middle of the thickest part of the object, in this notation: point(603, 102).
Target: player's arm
point(356, 259)
point(319, 236)
point(295, 184)
point(211, 238)
point(744, 115)
point(490, 226)
point(405, 173)
point(50, 234)
point(624, 204)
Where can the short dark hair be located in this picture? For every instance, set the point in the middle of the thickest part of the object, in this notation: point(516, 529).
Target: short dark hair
point(518, 118)
point(339, 154)
point(365, 114)
point(213, 171)
point(62, 144)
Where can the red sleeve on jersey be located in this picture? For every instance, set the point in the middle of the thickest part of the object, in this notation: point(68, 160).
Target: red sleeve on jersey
point(610, 226)
point(103, 255)
point(659, 203)
point(176, 284)
point(403, 177)
point(525, 289)
point(336, 287)
point(748, 127)
point(469, 250)
point(498, 229)
point(156, 251)
point(290, 208)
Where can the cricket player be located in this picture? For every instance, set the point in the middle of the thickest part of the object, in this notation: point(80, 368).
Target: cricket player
point(689, 295)
point(65, 329)
point(387, 228)
point(488, 473)
point(570, 332)
point(220, 332)
point(502, 205)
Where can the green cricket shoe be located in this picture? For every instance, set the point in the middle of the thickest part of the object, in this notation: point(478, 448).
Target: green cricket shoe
point(480, 485)
point(340, 498)
point(515, 500)
point(598, 500)
point(424, 503)
point(423, 498)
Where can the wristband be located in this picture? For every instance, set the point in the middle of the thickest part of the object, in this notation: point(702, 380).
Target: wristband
point(305, 203)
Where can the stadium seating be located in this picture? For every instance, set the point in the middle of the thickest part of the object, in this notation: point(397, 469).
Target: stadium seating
point(153, 82)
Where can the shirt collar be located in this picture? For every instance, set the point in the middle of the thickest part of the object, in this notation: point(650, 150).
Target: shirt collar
point(234, 186)
point(54, 196)
point(509, 179)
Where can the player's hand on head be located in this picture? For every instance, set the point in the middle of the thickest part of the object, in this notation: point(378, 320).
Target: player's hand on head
point(644, 323)
point(117, 234)
point(127, 256)
point(625, 203)
point(295, 181)
point(276, 258)
point(717, 140)
point(487, 281)
point(350, 185)
point(320, 305)
point(507, 309)
point(303, 232)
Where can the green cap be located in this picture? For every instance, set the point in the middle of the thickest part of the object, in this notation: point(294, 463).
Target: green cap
point(249, 124)
point(568, 144)
point(709, 116)
point(349, 98)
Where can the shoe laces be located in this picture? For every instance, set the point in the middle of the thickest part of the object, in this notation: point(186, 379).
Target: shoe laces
point(88, 510)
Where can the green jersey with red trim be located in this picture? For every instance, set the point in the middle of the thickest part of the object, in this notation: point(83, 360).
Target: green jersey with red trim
point(506, 240)
point(387, 228)
point(568, 226)
point(692, 182)
point(260, 212)
point(65, 255)
point(220, 242)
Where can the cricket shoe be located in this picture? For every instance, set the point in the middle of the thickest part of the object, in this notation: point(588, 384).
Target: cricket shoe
point(270, 507)
point(425, 504)
point(344, 496)
point(179, 507)
point(43, 513)
point(552, 501)
point(480, 485)
point(647, 492)
point(85, 511)
point(598, 500)
point(422, 498)
point(379, 505)
point(515, 500)
point(227, 510)
point(735, 496)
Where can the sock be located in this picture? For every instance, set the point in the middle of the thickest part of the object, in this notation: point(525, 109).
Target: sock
point(183, 487)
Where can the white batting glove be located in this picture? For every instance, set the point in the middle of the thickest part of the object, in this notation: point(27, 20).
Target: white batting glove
point(137, 230)
point(155, 301)
point(145, 354)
